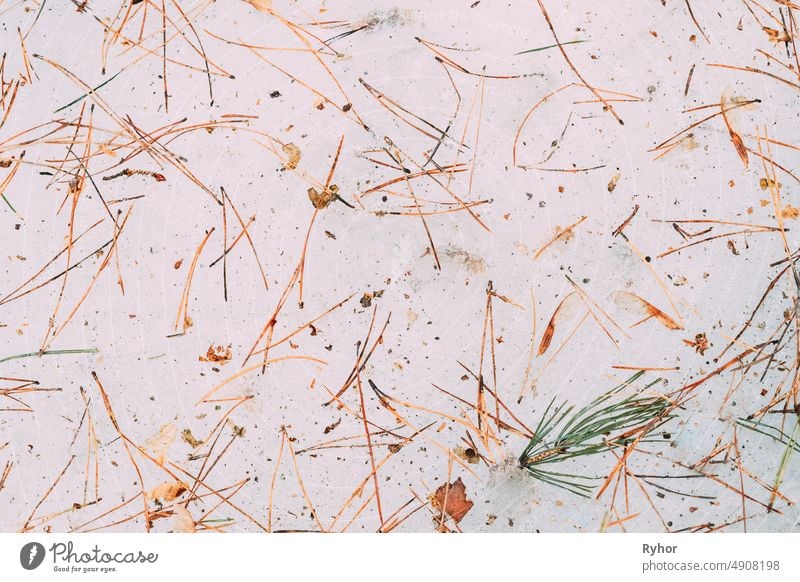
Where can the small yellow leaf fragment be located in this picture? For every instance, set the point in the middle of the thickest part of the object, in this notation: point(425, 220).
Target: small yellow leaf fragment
point(612, 183)
point(765, 183)
point(190, 439)
point(294, 154)
point(789, 212)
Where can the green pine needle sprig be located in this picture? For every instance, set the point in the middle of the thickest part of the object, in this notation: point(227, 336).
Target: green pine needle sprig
point(608, 421)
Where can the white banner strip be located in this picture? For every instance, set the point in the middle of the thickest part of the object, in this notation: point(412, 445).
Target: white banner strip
point(406, 557)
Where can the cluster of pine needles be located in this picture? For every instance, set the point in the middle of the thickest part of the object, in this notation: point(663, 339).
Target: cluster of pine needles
point(611, 420)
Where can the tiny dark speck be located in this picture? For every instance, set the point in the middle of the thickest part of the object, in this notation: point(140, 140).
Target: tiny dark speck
point(275, 94)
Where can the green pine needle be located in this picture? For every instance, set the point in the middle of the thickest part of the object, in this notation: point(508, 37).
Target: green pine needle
point(85, 95)
point(50, 353)
point(590, 431)
point(9, 203)
point(544, 48)
point(790, 443)
point(770, 431)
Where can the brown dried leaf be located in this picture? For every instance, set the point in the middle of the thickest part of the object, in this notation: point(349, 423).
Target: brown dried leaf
point(217, 354)
point(777, 36)
point(468, 454)
point(294, 154)
point(765, 183)
point(332, 426)
point(452, 500)
point(699, 343)
point(167, 492)
point(790, 212)
point(322, 199)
